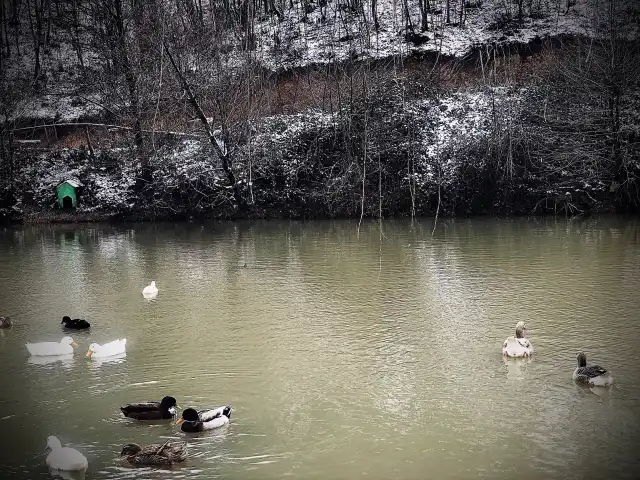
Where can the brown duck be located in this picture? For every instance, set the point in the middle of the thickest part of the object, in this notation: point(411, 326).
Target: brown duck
point(165, 454)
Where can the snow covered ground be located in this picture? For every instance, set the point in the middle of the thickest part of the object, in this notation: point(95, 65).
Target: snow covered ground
point(333, 33)
point(443, 127)
point(327, 31)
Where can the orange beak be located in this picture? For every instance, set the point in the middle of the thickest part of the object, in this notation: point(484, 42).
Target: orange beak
point(180, 420)
point(89, 353)
point(74, 344)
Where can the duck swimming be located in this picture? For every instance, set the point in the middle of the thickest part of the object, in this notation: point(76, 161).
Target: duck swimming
point(193, 421)
point(591, 374)
point(5, 322)
point(162, 410)
point(64, 458)
point(65, 347)
point(156, 454)
point(517, 346)
point(115, 347)
point(76, 323)
point(150, 290)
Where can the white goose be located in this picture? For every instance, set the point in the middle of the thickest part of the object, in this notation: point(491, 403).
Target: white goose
point(64, 458)
point(115, 347)
point(517, 346)
point(591, 374)
point(64, 347)
point(150, 290)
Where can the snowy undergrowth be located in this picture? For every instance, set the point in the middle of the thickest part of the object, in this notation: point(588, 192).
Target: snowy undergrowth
point(463, 121)
point(312, 163)
point(103, 187)
point(284, 146)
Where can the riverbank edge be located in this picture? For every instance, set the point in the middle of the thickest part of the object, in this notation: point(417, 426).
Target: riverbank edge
point(519, 205)
point(52, 217)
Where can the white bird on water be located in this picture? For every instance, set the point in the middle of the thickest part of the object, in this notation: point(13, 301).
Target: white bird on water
point(108, 349)
point(517, 346)
point(64, 347)
point(64, 458)
point(150, 290)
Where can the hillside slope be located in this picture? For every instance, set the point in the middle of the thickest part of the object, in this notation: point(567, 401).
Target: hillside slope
point(323, 110)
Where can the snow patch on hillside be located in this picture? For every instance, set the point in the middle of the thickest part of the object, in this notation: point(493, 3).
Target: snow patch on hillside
point(334, 33)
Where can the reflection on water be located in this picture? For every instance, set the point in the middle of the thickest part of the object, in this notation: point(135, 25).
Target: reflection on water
point(79, 475)
point(517, 367)
point(97, 362)
point(343, 357)
point(66, 360)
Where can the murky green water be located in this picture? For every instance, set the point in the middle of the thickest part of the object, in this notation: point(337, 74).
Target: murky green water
point(343, 357)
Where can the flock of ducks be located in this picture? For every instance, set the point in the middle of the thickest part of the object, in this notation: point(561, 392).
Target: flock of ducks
point(519, 347)
point(191, 421)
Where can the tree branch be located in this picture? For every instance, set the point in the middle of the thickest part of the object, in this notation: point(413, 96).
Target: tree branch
point(222, 151)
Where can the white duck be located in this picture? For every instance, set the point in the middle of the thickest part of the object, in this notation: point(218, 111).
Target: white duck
point(193, 421)
point(64, 458)
point(591, 374)
point(150, 290)
point(108, 349)
point(517, 346)
point(64, 347)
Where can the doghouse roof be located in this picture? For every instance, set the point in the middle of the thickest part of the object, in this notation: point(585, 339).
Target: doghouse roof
point(74, 182)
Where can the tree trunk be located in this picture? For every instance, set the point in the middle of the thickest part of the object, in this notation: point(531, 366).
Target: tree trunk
point(15, 21)
point(423, 5)
point(374, 14)
point(4, 37)
point(47, 40)
point(35, 24)
point(222, 151)
point(76, 34)
point(129, 75)
point(408, 22)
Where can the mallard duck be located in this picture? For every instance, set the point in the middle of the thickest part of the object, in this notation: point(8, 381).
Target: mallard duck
point(5, 322)
point(65, 347)
point(193, 421)
point(108, 349)
point(155, 454)
point(162, 410)
point(76, 323)
point(518, 346)
point(591, 374)
point(150, 290)
point(64, 458)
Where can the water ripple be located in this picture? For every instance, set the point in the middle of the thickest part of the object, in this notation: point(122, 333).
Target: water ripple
point(341, 357)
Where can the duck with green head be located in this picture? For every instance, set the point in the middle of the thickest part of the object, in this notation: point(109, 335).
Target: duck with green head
point(198, 421)
point(165, 409)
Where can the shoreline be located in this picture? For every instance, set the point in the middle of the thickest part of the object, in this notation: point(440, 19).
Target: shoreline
point(45, 218)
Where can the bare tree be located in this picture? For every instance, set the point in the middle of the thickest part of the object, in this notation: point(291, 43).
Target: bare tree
point(221, 148)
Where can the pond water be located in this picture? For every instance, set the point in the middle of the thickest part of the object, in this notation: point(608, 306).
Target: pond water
point(344, 354)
